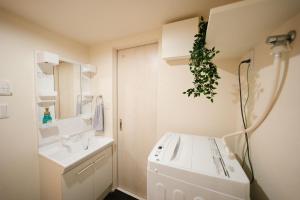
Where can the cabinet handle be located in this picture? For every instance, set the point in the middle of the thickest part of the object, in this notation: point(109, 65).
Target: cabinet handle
point(84, 169)
point(99, 159)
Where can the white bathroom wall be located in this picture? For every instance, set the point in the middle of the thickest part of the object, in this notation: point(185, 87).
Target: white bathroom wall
point(180, 113)
point(19, 40)
point(276, 143)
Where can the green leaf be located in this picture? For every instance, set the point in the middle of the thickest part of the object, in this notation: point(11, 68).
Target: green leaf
point(201, 66)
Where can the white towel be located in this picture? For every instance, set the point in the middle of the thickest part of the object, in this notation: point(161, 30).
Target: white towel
point(98, 121)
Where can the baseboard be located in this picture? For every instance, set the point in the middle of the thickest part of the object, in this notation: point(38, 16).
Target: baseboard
point(130, 194)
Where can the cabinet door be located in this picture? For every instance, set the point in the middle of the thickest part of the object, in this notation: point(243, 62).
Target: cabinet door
point(102, 172)
point(178, 38)
point(78, 183)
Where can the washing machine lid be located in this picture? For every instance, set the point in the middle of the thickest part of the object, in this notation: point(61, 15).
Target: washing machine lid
point(198, 154)
point(199, 161)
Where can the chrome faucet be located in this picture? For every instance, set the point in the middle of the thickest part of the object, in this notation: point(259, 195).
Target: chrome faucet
point(86, 146)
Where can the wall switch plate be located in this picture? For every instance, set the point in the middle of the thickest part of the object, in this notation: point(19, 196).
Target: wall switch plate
point(3, 111)
point(5, 88)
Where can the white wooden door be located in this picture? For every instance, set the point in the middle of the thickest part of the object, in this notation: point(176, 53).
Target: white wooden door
point(137, 88)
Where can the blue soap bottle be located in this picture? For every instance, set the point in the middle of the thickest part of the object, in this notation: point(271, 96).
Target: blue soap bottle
point(47, 116)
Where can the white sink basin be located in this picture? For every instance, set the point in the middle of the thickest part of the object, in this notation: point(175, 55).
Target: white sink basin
point(75, 149)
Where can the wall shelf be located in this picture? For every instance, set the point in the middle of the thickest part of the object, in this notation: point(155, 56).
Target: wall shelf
point(46, 103)
point(88, 70)
point(236, 28)
point(46, 61)
point(87, 98)
point(86, 76)
point(46, 68)
point(86, 116)
point(48, 125)
point(44, 96)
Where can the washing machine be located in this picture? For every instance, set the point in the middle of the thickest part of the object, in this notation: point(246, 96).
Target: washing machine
point(190, 167)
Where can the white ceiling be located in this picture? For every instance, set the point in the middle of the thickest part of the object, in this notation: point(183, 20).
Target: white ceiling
point(95, 21)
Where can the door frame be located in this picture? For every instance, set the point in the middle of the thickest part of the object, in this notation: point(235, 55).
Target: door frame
point(115, 103)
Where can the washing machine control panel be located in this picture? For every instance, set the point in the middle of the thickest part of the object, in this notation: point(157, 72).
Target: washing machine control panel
point(158, 152)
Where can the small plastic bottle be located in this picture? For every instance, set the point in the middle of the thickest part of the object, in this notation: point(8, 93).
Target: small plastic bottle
point(47, 116)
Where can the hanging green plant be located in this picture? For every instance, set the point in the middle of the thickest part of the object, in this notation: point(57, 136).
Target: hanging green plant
point(204, 70)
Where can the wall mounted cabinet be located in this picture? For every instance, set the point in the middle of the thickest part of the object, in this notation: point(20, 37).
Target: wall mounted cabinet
point(178, 39)
point(236, 28)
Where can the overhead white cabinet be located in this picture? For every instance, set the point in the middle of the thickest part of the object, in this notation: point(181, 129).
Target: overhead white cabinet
point(178, 38)
point(236, 28)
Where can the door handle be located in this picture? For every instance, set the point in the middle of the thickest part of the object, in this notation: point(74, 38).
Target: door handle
point(121, 125)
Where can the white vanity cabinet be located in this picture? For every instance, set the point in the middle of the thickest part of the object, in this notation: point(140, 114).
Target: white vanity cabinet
point(78, 183)
point(102, 174)
point(90, 180)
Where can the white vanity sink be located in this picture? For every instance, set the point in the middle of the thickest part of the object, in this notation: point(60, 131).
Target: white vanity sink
point(77, 167)
point(68, 152)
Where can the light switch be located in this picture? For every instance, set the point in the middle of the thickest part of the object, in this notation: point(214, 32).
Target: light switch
point(5, 89)
point(3, 111)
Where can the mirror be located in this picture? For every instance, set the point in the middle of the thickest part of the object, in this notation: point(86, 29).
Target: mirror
point(68, 88)
point(63, 89)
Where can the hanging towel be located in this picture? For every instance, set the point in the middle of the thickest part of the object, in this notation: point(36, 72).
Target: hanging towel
point(98, 121)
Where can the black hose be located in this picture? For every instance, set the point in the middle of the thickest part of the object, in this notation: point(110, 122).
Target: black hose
point(243, 113)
